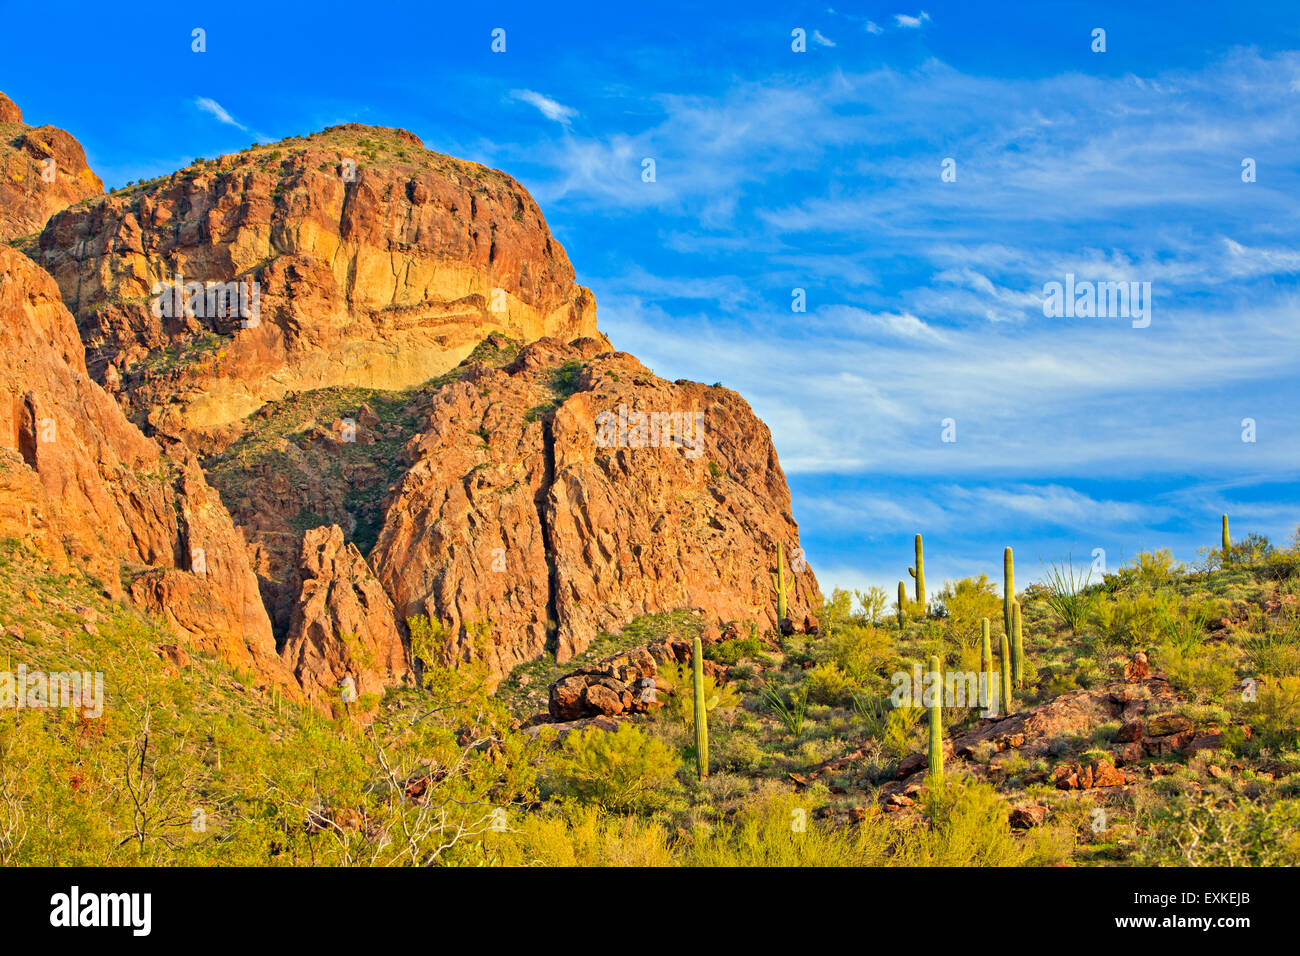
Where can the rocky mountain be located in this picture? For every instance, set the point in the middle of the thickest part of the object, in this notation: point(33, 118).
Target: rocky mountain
point(401, 409)
point(42, 171)
point(376, 262)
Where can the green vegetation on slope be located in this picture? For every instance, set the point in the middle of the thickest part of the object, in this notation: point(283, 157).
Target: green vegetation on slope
point(197, 765)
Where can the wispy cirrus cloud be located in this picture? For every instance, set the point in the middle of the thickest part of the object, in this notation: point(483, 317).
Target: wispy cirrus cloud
point(548, 107)
point(215, 109)
point(925, 297)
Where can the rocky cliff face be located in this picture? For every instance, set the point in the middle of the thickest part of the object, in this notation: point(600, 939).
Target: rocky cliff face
point(364, 259)
point(80, 484)
point(42, 171)
point(409, 413)
point(573, 491)
point(343, 626)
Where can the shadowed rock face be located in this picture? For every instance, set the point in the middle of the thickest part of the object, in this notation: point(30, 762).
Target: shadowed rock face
point(378, 263)
point(80, 484)
point(525, 527)
point(31, 188)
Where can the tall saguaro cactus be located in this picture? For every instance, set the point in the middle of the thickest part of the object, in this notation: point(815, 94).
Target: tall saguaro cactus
point(1017, 646)
point(902, 604)
point(780, 585)
point(936, 722)
point(1006, 675)
point(1227, 540)
point(986, 650)
point(918, 572)
point(701, 712)
point(1008, 589)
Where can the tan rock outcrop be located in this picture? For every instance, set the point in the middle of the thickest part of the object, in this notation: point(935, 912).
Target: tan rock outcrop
point(377, 263)
point(83, 486)
point(343, 625)
point(43, 170)
point(538, 511)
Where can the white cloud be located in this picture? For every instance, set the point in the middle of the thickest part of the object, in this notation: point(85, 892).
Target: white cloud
point(873, 27)
point(551, 109)
point(823, 40)
point(216, 109)
point(910, 22)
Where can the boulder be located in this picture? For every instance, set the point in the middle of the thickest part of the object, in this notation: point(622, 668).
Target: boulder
point(1027, 817)
point(621, 684)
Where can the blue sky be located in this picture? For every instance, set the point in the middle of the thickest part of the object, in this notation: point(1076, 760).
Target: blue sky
point(820, 170)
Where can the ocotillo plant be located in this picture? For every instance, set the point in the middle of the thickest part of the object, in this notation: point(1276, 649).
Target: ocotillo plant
point(1227, 540)
point(936, 722)
point(701, 712)
point(918, 572)
point(1006, 675)
point(902, 604)
point(986, 650)
point(1017, 646)
point(780, 584)
point(1008, 588)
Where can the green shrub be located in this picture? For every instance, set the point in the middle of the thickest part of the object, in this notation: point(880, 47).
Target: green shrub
point(827, 684)
point(679, 679)
point(1202, 829)
point(734, 649)
point(965, 603)
point(623, 771)
point(1206, 673)
point(967, 827)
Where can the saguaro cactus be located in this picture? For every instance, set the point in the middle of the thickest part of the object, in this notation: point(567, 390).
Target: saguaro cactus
point(986, 650)
point(1017, 646)
point(701, 712)
point(1008, 589)
point(936, 721)
point(1227, 540)
point(918, 572)
point(902, 604)
point(780, 584)
point(1006, 675)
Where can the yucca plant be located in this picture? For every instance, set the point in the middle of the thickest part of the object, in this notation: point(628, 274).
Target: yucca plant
point(1067, 594)
point(792, 713)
